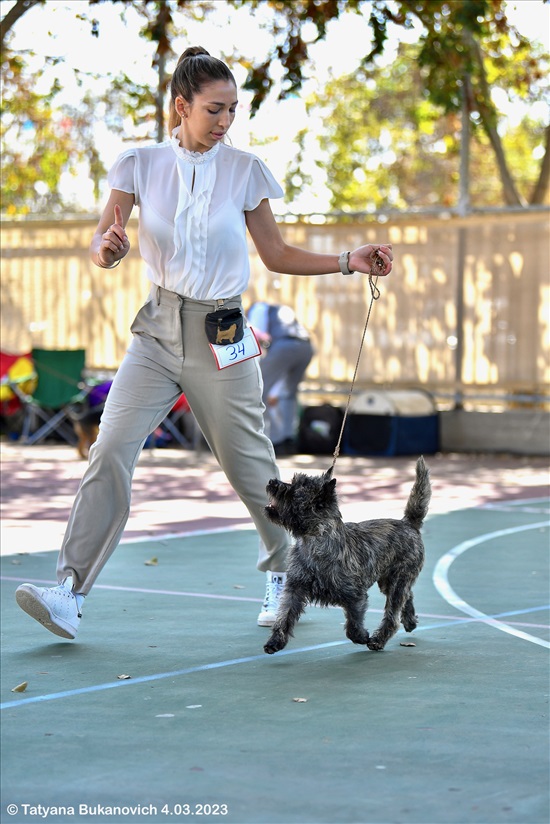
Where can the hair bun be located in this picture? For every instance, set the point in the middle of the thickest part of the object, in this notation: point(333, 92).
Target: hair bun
point(193, 51)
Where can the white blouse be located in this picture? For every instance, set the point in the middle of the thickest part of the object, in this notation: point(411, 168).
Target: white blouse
point(192, 230)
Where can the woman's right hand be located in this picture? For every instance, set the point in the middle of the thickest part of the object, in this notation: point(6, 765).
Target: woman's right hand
point(114, 244)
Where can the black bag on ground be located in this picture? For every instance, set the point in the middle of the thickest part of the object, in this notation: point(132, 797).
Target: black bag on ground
point(319, 429)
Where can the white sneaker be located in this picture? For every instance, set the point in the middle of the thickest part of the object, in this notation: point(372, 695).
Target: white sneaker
point(274, 587)
point(56, 608)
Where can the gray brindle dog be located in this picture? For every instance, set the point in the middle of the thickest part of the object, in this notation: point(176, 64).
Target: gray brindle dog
point(333, 563)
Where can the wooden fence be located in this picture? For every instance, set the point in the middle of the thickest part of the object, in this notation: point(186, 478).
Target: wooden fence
point(467, 306)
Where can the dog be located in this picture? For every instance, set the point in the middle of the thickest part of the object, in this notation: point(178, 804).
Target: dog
point(333, 563)
point(86, 432)
point(227, 334)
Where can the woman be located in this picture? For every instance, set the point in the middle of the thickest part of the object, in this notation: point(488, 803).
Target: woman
point(196, 196)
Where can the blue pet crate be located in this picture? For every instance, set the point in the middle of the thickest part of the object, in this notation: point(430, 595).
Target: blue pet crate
point(392, 422)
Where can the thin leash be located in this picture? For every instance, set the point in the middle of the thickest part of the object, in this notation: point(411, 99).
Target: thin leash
point(375, 294)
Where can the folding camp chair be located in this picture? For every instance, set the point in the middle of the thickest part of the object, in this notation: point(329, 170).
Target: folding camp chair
point(15, 370)
point(59, 385)
point(178, 413)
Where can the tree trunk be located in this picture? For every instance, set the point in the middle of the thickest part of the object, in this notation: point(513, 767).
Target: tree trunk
point(464, 194)
point(541, 186)
point(489, 119)
point(159, 99)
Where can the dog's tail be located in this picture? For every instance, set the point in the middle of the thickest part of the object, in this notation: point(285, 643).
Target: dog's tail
point(419, 499)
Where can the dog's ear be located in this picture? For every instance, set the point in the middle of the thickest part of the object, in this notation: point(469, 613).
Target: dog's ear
point(328, 486)
point(328, 474)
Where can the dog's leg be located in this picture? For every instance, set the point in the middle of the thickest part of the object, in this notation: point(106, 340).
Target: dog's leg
point(293, 603)
point(409, 618)
point(355, 618)
point(397, 592)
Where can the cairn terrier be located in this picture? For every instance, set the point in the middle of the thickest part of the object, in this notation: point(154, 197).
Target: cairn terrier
point(333, 563)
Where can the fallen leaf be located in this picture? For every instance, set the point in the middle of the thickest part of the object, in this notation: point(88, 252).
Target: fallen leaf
point(407, 644)
point(21, 687)
point(152, 562)
point(300, 700)
point(124, 677)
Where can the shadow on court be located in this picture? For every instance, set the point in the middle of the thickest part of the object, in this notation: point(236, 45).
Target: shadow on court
point(208, 727)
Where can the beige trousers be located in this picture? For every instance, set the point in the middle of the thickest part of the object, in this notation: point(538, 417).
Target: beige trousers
point(169, 355)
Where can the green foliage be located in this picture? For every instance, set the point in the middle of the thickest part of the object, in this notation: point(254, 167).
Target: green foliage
point(403, 153)
point(387, 144)
point(290, 46)
point(35, 142)
point(384, 143)
point(296, 179)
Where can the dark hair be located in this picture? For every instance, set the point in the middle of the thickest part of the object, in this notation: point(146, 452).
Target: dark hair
point(195, 69)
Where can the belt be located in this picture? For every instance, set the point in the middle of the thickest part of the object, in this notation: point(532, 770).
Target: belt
point(162, 295)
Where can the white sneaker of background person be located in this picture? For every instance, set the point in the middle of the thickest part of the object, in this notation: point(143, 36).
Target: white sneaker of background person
point(59, 609)
point(273, 589)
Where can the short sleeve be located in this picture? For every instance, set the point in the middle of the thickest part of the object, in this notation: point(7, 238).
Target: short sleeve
point(261, 185)
point(122, 175)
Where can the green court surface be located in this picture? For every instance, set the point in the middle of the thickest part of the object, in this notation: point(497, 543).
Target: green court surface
point(453, 730)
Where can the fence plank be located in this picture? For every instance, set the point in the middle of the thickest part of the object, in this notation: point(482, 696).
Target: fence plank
point(53, 296)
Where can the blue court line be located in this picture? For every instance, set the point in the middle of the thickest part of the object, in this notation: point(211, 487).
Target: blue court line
point(222, 664)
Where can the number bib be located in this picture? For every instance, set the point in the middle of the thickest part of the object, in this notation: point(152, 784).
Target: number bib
point(228, 355)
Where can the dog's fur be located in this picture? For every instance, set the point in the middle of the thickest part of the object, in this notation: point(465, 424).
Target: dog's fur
point(86, 432)
point(334, 563)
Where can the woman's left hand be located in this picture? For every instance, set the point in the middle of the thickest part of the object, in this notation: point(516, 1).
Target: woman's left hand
point(372, 259)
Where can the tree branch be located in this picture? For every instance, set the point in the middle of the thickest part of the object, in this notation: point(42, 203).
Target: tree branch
point(12, 16)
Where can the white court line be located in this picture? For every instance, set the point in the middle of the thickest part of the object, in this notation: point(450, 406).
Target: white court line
point(190, 533)
point(441, 581)
point(455, 619)
point(516, 502)
point(527, 505)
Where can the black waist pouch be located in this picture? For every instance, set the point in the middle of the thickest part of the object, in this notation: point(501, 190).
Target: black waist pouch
point(224, 326)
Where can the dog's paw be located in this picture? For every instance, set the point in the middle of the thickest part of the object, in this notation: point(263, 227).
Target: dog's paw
point(274, 644)
point(358, 637)
point(375, 644)
point(410, 626)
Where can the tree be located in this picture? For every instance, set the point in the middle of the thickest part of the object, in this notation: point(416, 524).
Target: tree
point(382, 140)
point(29, 119)
point(390, 146)
point(463, 44)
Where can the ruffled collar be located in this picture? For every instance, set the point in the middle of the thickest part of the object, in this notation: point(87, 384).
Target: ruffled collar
point(195, 158)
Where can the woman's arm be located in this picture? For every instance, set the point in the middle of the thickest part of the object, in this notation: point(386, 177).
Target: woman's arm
point(110, 242)
point(278, 256)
